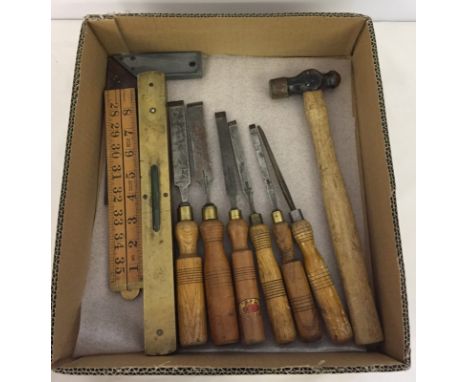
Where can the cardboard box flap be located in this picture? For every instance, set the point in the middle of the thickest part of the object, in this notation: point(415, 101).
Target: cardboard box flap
point(248, 35)
point(380, 197)
point(79, 191)
point(213, 364)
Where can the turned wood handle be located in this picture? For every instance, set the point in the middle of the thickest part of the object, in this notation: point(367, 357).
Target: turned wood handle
point(346, 242)
point(333, 313)
point(276, 299)
point(191, 315)
point(302, 303)
point(218, 283)
point(299, 294)
point(284, 241)
point(245, 282)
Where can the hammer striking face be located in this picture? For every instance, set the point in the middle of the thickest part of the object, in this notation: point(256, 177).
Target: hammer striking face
point(308, 80)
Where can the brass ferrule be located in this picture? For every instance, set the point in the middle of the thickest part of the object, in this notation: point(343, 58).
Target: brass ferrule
point(185, 212)
point(277, 216)
point(256, 218)
point(235, 214)
point(209, 212)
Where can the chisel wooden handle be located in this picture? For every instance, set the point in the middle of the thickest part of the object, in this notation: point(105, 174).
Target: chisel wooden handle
point(276, 299)
point(347, 245)
point(245, 282)
point(190, 291)
point(218, 281)
point(300, 297)
point(333, 313)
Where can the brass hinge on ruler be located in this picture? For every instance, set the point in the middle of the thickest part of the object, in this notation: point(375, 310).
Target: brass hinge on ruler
point(125, 269)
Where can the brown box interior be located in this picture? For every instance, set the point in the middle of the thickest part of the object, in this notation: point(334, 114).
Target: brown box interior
point(257, 35)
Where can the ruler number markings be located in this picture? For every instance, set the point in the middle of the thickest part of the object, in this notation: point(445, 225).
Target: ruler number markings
point(117, 238)
point(131, 174)
point(123, 176)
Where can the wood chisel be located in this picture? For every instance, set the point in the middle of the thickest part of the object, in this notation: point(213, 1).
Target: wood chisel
point(158, 270)
point(191, 315)
point(243, 265)
point(219, 288)
point(124, 237)
point(300, 297)
point(331, 308)
point(279, 311)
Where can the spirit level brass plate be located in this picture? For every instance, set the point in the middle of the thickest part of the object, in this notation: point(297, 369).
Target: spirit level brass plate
point(158, 273)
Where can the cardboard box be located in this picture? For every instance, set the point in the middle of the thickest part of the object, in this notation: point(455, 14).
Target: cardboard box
point(277, 35)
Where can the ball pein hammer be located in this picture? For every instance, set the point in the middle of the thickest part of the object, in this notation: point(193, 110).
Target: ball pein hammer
point(347, 245)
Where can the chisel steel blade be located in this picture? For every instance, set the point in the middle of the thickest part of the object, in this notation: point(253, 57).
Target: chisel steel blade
point(276, 169)
point(231, 177)
point(260, 154)
point(180, 149)
point(239, 156)
point(199, 147)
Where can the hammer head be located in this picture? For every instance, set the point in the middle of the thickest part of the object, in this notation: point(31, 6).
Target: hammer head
point(308, 80)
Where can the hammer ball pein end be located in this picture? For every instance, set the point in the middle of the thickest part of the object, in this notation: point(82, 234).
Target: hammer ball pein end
point(308, 80)
point(331, 79)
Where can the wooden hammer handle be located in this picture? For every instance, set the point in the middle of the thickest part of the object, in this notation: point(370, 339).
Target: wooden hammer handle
point(333, 313)
point(190, 291)
point(347, 245)
point(245, 282)
point(219, 288)
point(276, 299)
point(299, 294)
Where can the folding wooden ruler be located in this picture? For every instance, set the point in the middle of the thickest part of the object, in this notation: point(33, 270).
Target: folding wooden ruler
point(125, 255)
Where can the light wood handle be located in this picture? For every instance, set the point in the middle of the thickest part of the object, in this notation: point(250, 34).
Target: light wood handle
point(218, 282)
point(245, 282)
point(191, 315)
point(333, 313)
point(346, 242)
point(302, 303)
point(187, 237)
point(276, 299)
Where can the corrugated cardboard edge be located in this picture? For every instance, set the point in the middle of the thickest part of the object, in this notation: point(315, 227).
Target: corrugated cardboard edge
point(226, 371)
point(231, 371)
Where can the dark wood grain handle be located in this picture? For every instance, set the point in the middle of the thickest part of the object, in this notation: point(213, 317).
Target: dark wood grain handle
point(302, 303)
point(245, 282)
point(276, 299)
point(220, 297)
point(300, 297)
point(284, 241)
point(326, 295)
